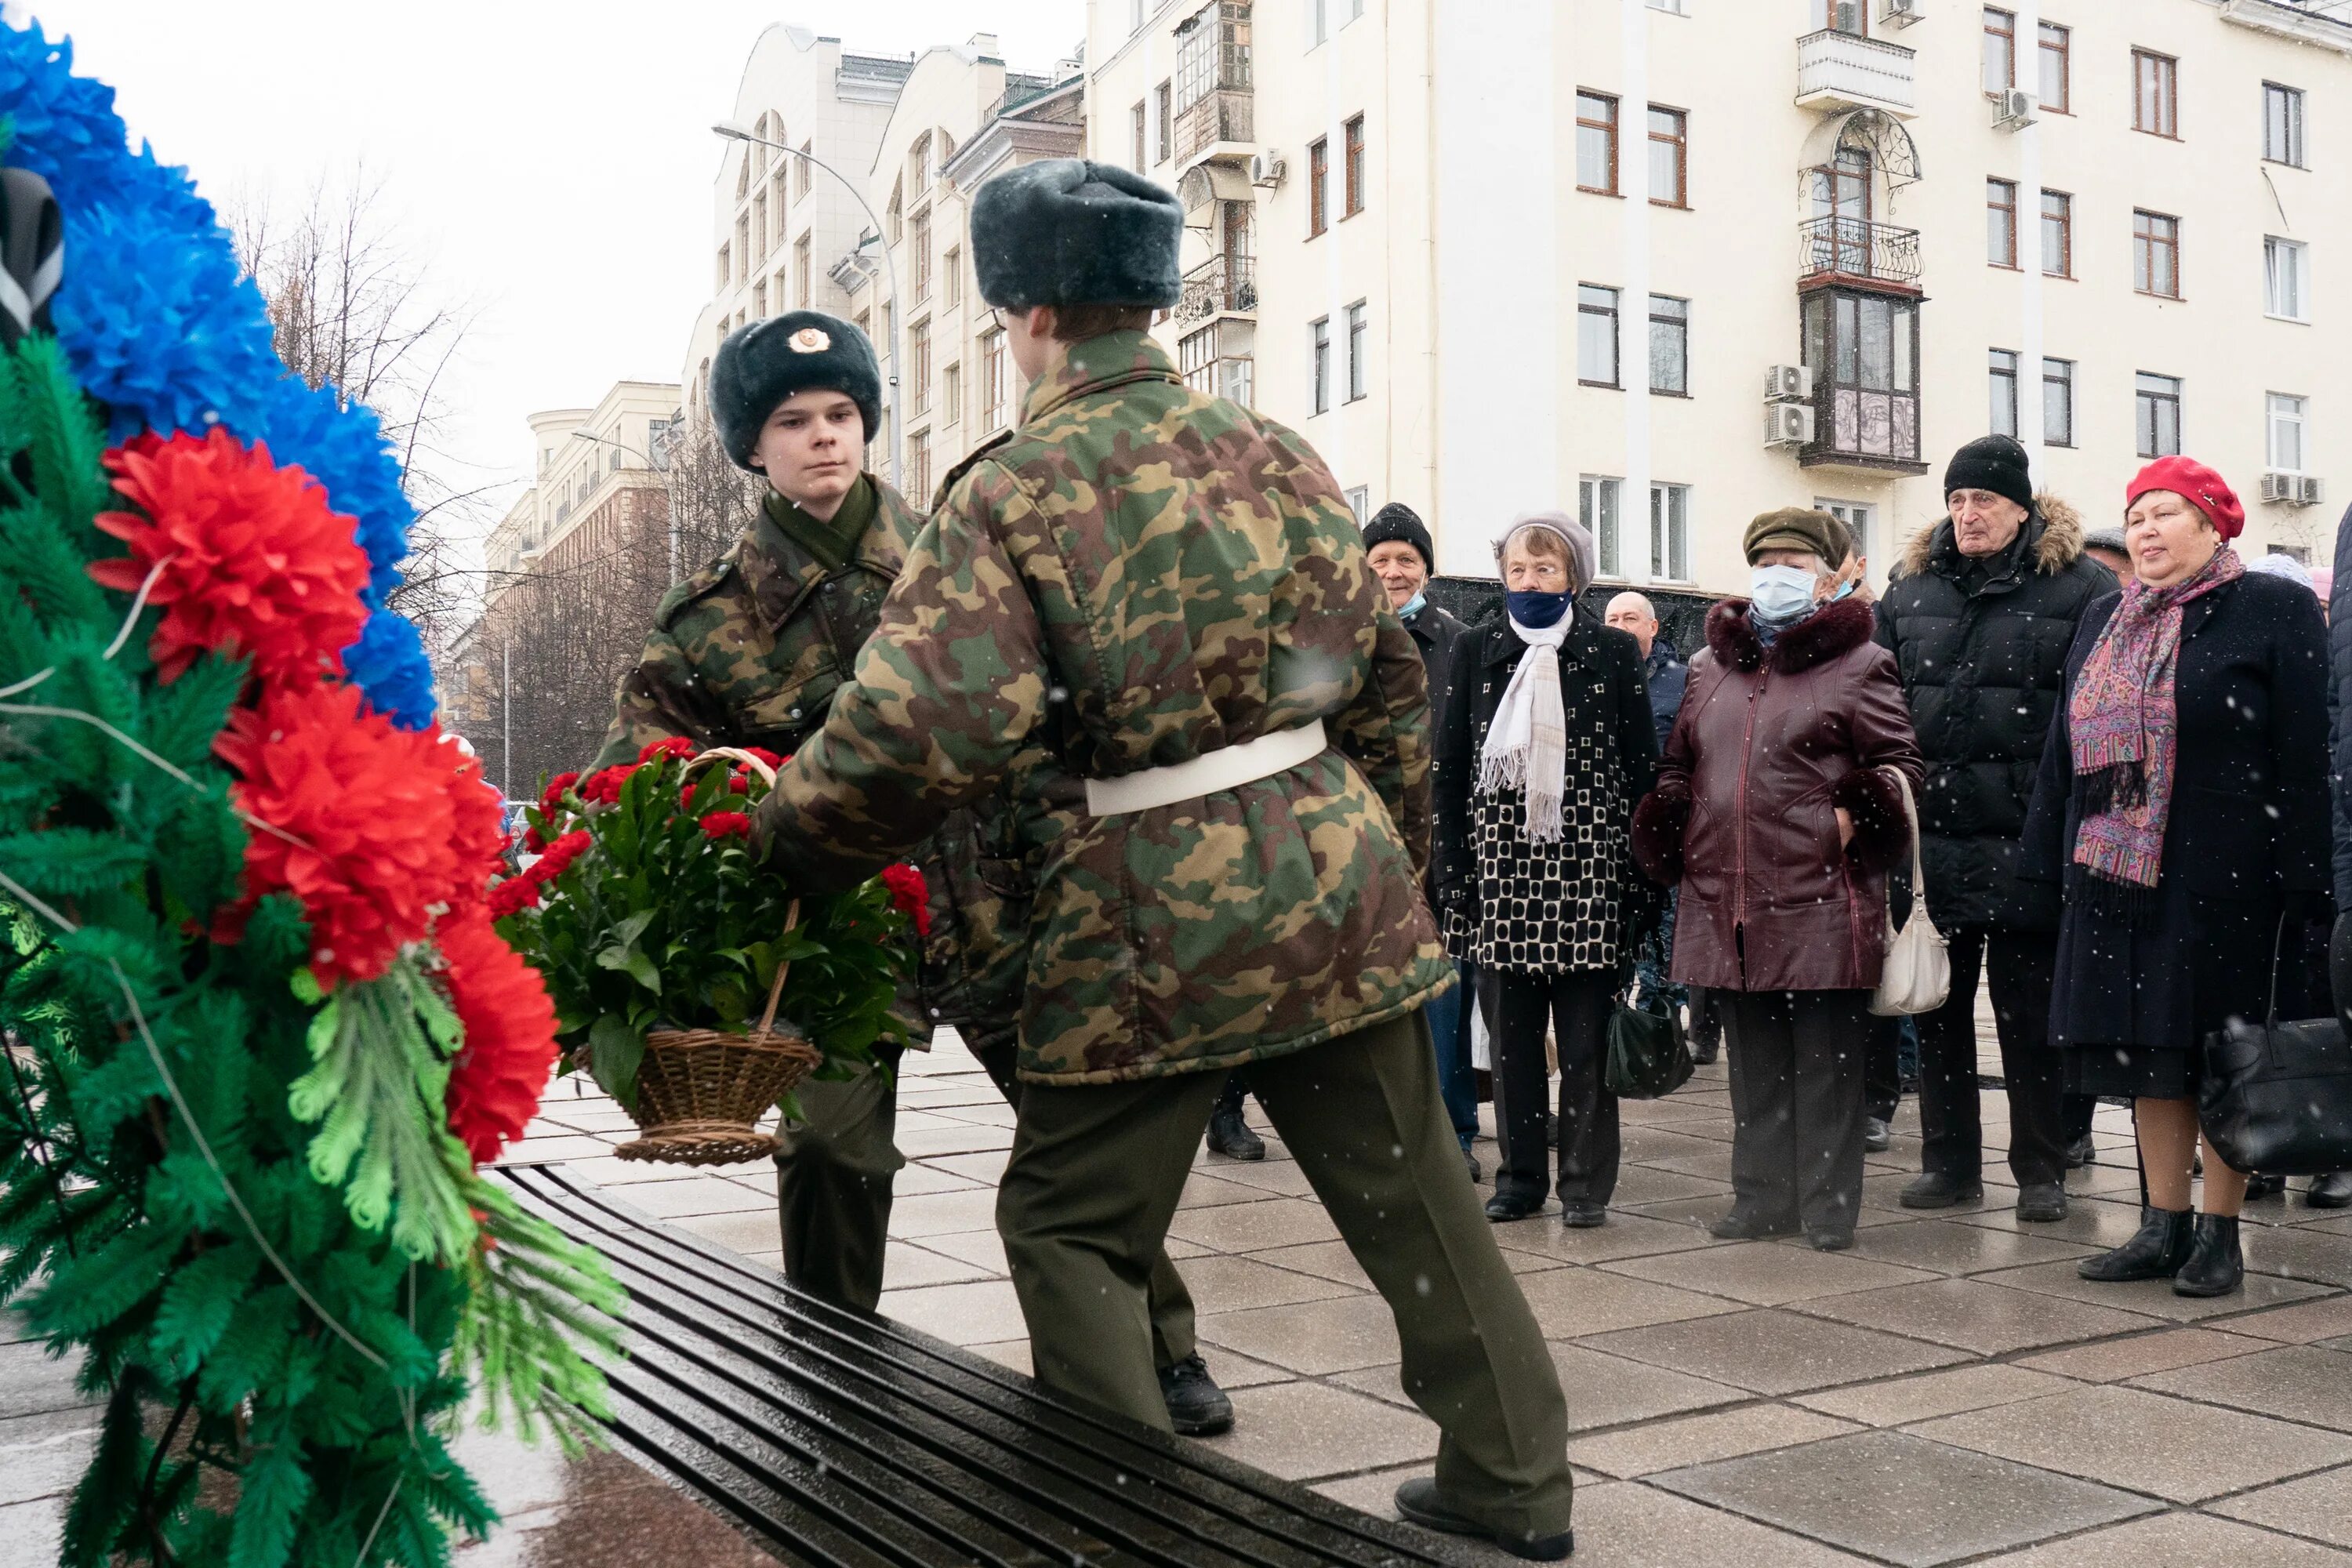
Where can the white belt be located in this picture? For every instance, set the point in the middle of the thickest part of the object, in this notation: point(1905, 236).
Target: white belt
point(1229, 768)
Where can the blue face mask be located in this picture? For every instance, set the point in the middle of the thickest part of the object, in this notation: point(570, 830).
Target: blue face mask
point(1537, 610)
point(1780, 594)
point(1412, 606)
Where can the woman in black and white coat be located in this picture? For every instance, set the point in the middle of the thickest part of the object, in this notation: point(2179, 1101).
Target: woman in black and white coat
point(1544, 746)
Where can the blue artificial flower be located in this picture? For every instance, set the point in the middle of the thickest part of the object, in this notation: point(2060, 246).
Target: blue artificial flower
point(388, 663)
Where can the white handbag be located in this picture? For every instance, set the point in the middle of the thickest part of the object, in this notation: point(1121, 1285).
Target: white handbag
point(1918, 973)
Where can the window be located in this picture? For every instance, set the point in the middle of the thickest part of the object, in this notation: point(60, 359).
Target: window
point(760, 223)
point(1669, 157)
point(1671, 7)
point(2286, 279)
point(918, 360)
point(1999, 49)
point(921, 260)
point(2156, 254)
point(807, 169)
point(759, 300)
point(2000, 222)
point(1319, 341)
point(2002, 380)
point(779, 192)
point(1136, 118)
point(801, 269)
point(2057, 234)
point(992, 381)
point(952, 277)
point(2282, 124)
point(1669, 345)
point(918, 467)
point(726, 265)
point(2057, 52)
point(742, 249)
point(1359, 501)
point(1860, 517)
point(1596, 143)
point(780, 293)
point(2286, 420)
point(1358, 346)
point(1164, 100)
point(951, 394)
point(1670, 532)
point(1135, 16)
point(1842, 16)
point(891, 219)
point(1596, 508)
point(2058, 402)
point(2155, 97)
point(2158, 398)
point(1355, 167)
point(1596, 335)
point(920, 170)
point(1317, 22)
point(1319, 186)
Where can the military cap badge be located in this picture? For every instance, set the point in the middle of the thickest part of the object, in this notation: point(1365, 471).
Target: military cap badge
point(810, 341)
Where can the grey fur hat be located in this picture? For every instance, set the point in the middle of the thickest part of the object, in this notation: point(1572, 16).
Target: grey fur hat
point(764, 363)
point(1068, 232)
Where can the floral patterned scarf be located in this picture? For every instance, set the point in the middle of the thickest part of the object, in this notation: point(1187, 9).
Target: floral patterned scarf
point(2122, 725)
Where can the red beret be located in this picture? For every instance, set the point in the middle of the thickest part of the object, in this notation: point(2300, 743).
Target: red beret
point(2199, 485)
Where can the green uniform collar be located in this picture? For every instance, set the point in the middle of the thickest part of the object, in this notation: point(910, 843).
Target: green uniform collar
point(1112, 360)
point(834, 543)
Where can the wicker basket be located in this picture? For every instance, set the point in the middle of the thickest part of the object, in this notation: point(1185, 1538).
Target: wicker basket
point(701, 1092)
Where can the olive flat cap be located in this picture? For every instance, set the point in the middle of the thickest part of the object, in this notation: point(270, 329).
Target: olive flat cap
point(1798, 527)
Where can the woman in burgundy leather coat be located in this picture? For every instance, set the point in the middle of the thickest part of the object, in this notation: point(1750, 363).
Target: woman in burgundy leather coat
point(1777, 816)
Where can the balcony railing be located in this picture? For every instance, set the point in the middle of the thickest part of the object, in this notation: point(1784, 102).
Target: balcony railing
point(1848, 248)
point(1225, 114)
point(1221, 285)
point(1846, 70)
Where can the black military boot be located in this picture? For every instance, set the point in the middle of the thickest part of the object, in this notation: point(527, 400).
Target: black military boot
point(2156, 1251)
point(1197, 1407)
point(1418, 1500)
point(2215, 1267)
point(1230, 1136)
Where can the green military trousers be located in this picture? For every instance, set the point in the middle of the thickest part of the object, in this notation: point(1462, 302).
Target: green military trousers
point(1094, 1180)
point(834, 1179)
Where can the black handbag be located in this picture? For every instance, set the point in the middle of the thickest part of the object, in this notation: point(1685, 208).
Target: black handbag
point(2277, 1097)
point(1647, 1057)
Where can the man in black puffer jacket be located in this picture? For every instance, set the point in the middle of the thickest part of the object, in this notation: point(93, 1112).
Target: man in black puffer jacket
point(1979, 614)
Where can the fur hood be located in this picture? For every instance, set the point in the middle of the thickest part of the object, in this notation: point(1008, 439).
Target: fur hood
point(1834, 629)
point(2060, 546)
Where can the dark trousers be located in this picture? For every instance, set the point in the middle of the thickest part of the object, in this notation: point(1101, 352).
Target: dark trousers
point(1882, 1069)
point(2022, 964)
point(1577, 1006)
point(1795, 1104)
point(1449, 1033)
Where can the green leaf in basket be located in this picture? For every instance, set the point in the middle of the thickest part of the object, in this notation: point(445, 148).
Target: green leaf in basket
point(633, 964)
point(614, 1050)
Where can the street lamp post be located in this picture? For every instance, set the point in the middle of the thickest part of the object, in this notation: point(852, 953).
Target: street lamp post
point(734, 132)
point(669, 490)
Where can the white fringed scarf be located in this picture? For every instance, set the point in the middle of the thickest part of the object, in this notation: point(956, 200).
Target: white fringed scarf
point(1527, 746)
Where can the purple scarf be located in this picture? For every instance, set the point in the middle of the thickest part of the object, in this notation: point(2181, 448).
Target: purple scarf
point(2122, 725)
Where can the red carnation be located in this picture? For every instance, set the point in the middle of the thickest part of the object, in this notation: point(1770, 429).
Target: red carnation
point(603, 787)
point(502, 1067)
point(552, 795)
point(559, 855)
point(767, 756)
point(670, 746)
point(727, 823)
point(256, 563)
point(532, 841)
point(909, 895)
point(519, 892)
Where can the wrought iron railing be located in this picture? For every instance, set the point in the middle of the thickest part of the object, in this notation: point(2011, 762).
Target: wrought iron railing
point(1850, 66)
point(1850, 248)
point(1221, 283)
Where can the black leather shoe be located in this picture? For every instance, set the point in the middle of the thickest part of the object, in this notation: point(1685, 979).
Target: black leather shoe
point(1582, 1214)
point(1417, 1501)
point(1875, 1135)
point(1829, 1237)
point(2258, 1186)
point(1740, 1225)
point(2041, 1202)
point(2333, 1190)
point(1505, 1207)
point(1197, 1407)
point(1230, 1136)
point(2082, 1151)
point(2215, 1267)
point(1935, 1190)
point(2156, 1251)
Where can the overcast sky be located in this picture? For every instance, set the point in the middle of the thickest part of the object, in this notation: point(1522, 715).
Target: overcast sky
point(550, 159)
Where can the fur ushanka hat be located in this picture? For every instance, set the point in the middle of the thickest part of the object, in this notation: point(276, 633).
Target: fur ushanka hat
point(1069, 232)
point(764, 363)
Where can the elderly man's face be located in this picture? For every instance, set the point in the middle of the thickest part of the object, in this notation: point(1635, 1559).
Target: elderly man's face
point(1632, 612)
point(1400, 569)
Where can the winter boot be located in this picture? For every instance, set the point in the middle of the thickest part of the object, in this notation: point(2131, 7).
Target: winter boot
point(2215, 1267)
point(2156, 1251)
point(1936, 1190)
point(1230, 1136)
point(1197, 1407)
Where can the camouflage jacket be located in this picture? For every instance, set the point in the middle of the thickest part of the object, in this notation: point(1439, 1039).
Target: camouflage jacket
point(749, 651)
point(1140, 575)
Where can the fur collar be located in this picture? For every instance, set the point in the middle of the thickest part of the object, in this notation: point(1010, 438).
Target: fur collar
point(1836, 629)
point(2059, 547)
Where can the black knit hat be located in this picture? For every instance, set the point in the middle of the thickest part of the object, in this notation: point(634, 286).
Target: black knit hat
point(762, 364)
point(1995, 463)
point(1397, 522)
point(1068, 232)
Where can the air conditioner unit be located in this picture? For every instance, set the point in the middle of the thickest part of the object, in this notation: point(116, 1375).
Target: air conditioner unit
point(2279, 486)
point(1900, 13)
point(1788, 425)
point(2019, 108)
point(1787, 383)
point(1266, 170)
point(2308, 490)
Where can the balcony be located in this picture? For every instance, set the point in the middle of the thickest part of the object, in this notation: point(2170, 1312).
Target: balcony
point(1842, 71)
point(1224, 115)
point(1221, 286)
point(1848, 250)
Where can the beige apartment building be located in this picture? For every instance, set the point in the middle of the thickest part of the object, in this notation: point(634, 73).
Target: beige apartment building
point(598, 475)
point(1668, 263)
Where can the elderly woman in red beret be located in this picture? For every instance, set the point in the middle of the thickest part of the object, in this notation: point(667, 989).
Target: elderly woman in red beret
point(2182, 805)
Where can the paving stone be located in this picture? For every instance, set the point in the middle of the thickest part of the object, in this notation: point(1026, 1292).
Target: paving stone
point(2174, 1540)
point(1655, 1145)
point(1901, 1499)
point(906, 1266)
point(702, 1195)
point(1686, 1441)
point(1311, 1336)
point(2092, 1222)
point(956, 1138)
point(2318, 1506)
point(2148, 1442)
point(1302, 1430)
point(1251, 1227)
point(32, 1534)
point(34, 1383)
point(1284, 1178)
point(1630, 1525)
point(1569, 1303)
point(42, 1455)
point(1768, 1273)
point(1324, 1259)
point(984, 1250)
point(2111, 1361)
point(1774, 1351)
point(1203, 1191)
point(2154, 1297)
point(1609, 1391)
point(749, 1231)
point(1906, 1399)
point(1987, 1319)
point(1237, 1284)
point(1703, 1158)
point(2300, 1383)
point(1638, 1185)
point(985, 1166)
point(943, 1213)
point(1946, 1247)
point(978, 1313)
point(2301, 1324)
point(920, 1180)
point(1627, 1235)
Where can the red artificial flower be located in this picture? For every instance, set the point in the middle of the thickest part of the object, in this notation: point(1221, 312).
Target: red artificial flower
point(371, 835)
point(502, 1067)
point(479, 831)
point(558, 856)
point(254, 561)
point(552, 795)
point(727, 823)
point(532, 841)
point(767, 756)
point(736, 784)
point(669, 746)
point(909, 895)
point(603, 787)
point(519, 893)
